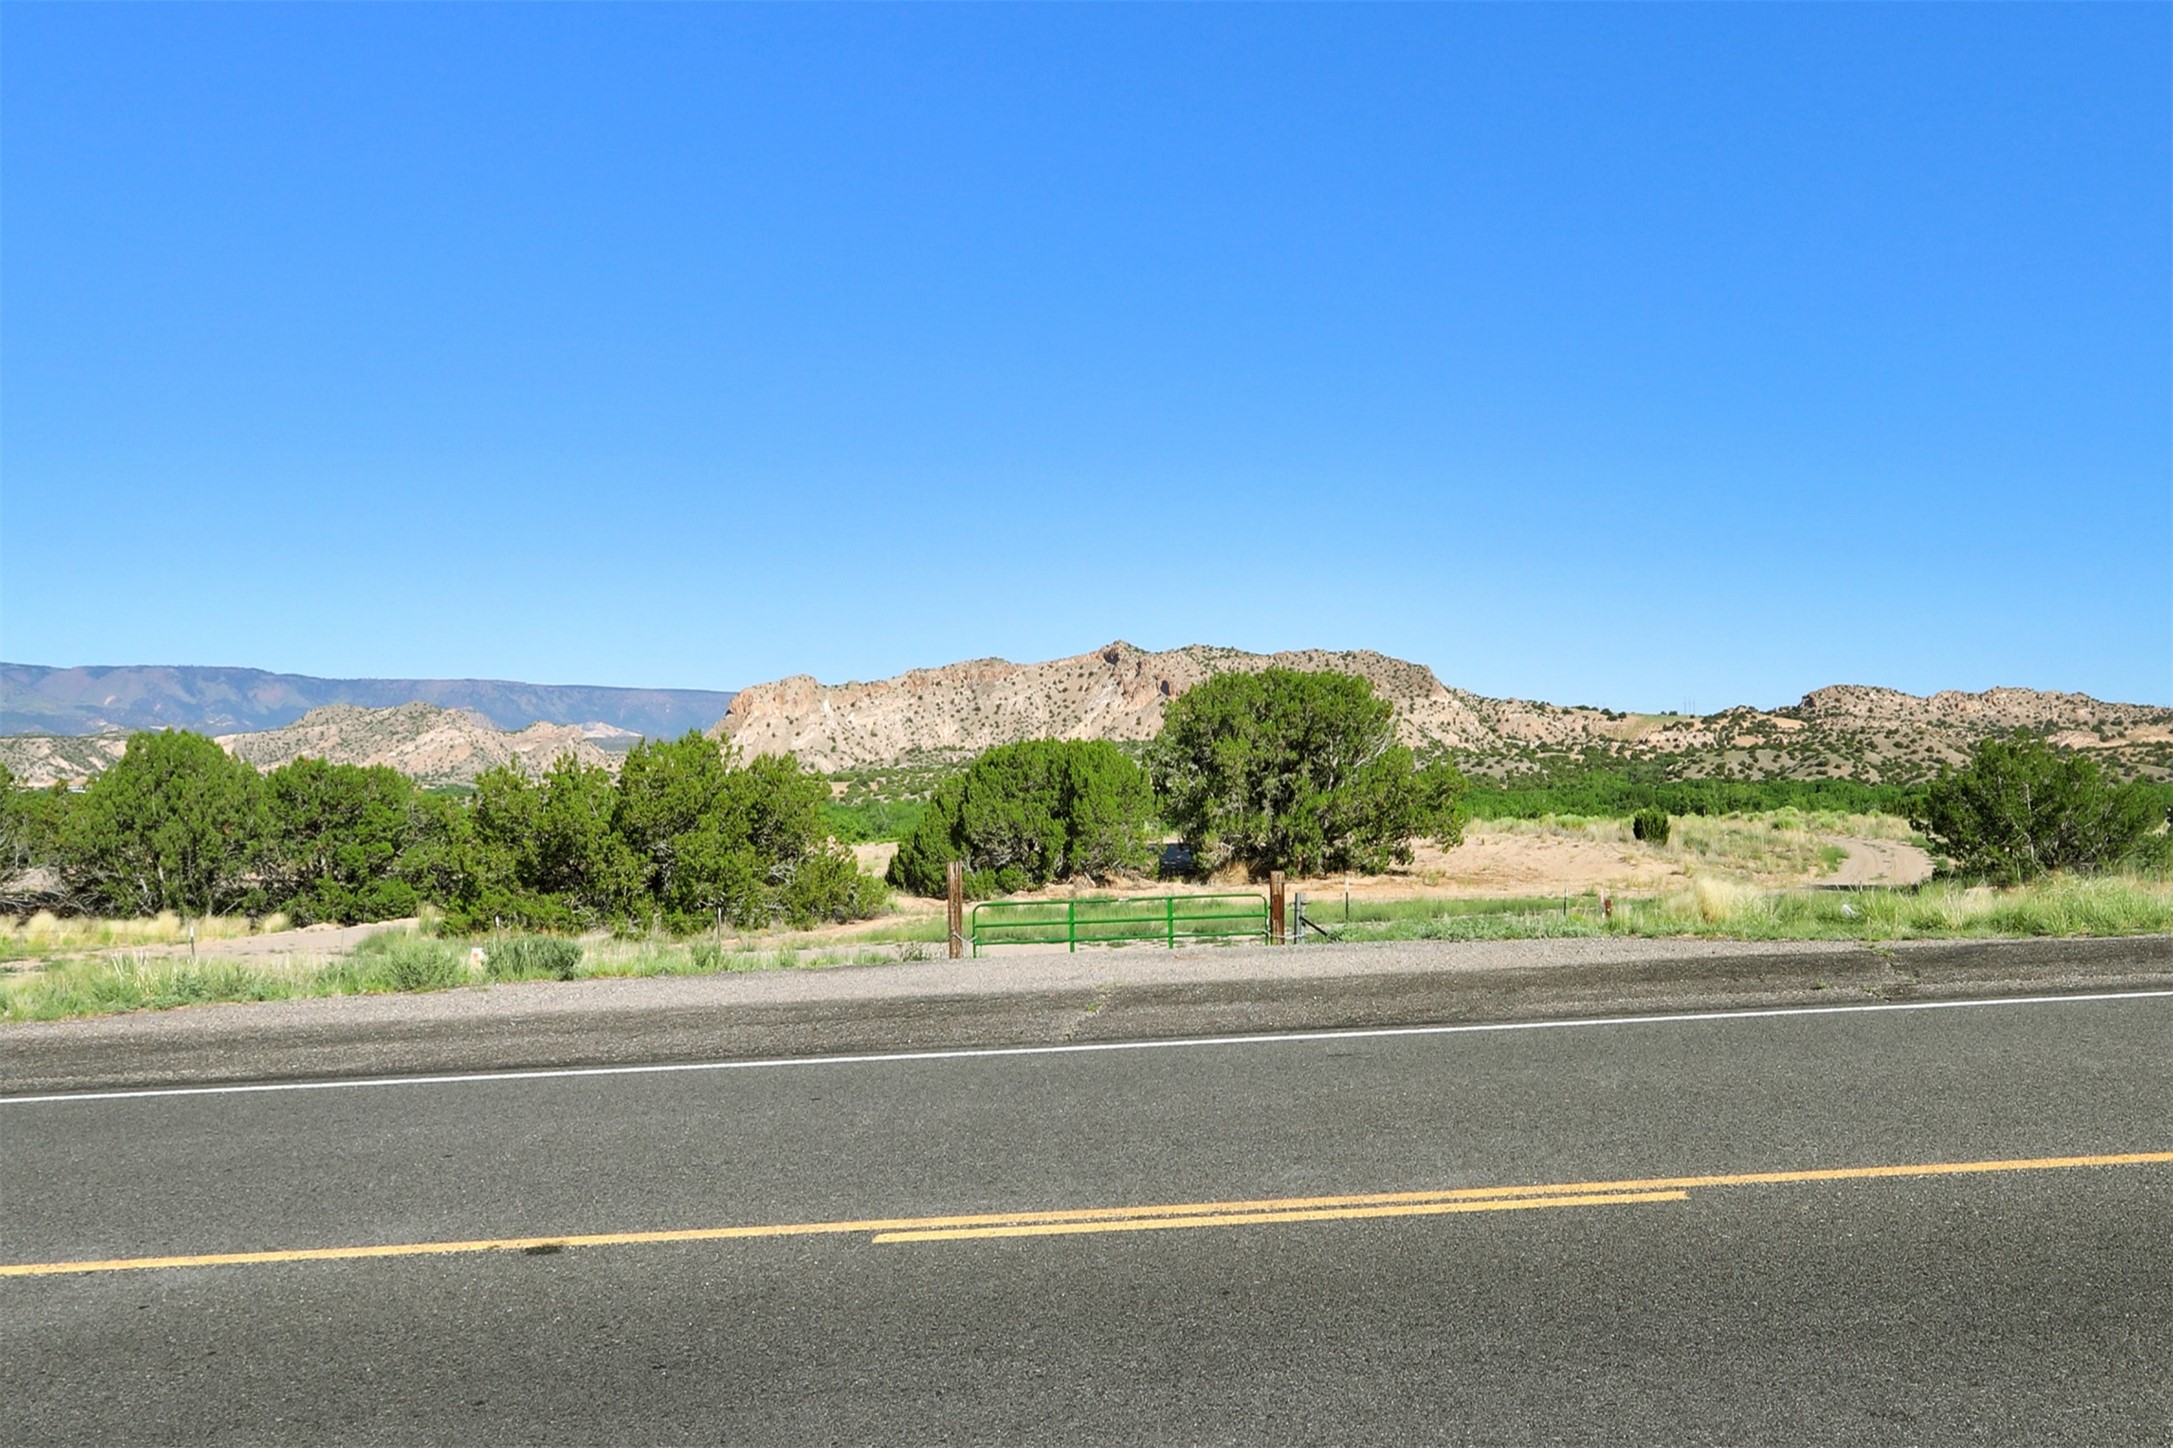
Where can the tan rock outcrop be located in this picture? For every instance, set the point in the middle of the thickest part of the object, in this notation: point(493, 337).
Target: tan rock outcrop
point(1120, 692)
point(422, 741)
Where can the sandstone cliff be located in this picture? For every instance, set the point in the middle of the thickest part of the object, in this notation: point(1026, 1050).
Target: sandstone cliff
point(1119, 692)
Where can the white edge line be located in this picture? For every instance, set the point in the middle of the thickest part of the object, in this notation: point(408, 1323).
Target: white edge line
point(1075, 1049)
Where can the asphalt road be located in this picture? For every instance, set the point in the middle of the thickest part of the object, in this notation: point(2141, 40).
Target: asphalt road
point(1669, 1304)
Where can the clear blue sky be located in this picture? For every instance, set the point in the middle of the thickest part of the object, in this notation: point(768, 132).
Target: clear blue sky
point(1635, 356)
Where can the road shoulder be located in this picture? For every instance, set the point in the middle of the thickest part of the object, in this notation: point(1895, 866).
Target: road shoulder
point(1103, 995)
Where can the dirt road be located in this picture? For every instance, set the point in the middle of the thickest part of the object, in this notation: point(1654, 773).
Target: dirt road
point(1880, 862)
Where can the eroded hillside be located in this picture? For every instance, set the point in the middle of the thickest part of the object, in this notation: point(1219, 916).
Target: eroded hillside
point(431, 745)
point(426, 743)
point(1119, 693)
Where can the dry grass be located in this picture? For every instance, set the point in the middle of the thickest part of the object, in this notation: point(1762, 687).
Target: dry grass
point(396, 961)
point(48, 934)
point(1717, 907)
point(1773, 847)
point(2077, 905)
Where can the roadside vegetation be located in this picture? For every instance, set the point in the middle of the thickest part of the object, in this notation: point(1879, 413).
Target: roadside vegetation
point(1022, 815)
point(1284, 770)
point(686, 837)
point(46, 934)
point(2022, 809)
point(1621, 790)
point(401, 960)
point(2074, 905)
point(669, 866)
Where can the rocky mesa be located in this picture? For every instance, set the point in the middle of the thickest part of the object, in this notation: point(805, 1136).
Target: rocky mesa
point(938, 715)
point(1118, 693)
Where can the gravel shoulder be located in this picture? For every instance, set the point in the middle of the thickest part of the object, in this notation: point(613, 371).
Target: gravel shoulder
point(1104, 995)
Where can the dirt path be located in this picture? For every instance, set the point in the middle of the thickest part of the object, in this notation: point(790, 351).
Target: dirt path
point(1880, 862)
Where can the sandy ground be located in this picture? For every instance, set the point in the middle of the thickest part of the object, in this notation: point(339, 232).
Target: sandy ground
point(875, 859)
point(1879, 862)
point(307, 940)
point(1502, 864)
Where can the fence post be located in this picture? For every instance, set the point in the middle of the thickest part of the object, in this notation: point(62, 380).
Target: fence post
point(1169, 907)
point(1071, 925)
point(1275, 907)
point(955, 908)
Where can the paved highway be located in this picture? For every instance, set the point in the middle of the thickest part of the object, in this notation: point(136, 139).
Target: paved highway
point(1679, 1230)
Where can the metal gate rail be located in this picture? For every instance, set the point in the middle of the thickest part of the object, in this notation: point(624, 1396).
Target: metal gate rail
point(1098, 920)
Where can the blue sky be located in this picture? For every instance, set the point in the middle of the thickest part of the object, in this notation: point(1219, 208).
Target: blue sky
point(1636, 356)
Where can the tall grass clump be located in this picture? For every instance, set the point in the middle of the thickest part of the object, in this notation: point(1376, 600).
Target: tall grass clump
point(45, 933)
point(105, 985)
point(398, 960)
point(533, 957)
point(2057, 905)
point(2080, 905)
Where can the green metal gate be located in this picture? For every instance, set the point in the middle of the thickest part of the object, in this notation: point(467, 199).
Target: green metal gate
point(1111, 921)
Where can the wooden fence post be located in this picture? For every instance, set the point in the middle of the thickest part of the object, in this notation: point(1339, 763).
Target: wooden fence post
point(955, 911)
point(1275, 907)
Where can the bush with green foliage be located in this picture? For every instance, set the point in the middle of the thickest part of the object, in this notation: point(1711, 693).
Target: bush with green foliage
point(1650, 825)
point(2021, 808)
point(1615, 791)
point(335, 838)
point(30, 823)
point(1288, 770)
point(176, 823)
point(1024, 814)
point(869, 820)
point(686, 836)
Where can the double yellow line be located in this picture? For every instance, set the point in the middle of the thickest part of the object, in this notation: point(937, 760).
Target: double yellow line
point(893, 1230)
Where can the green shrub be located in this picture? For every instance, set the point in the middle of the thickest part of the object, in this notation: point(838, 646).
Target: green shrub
point(687, 836)
point(2021, 808)
point(397, 960)
point(532, 957)
point(1613, 791)
point(31, 823)
point(868, 820)
point(334, 842)
point(1024, 814)
point(176, 823)
point(1287, 770)
point(2153, 855)
point(1650, 825)
point(827, 888)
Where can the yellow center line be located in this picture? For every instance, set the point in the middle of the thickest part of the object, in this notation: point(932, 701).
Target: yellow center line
point(1132, 1218)
point(1246, 1219)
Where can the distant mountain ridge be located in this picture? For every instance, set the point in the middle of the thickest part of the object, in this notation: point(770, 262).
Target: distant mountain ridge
point(35, 699)
point(942, 716)
point(429, 745)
